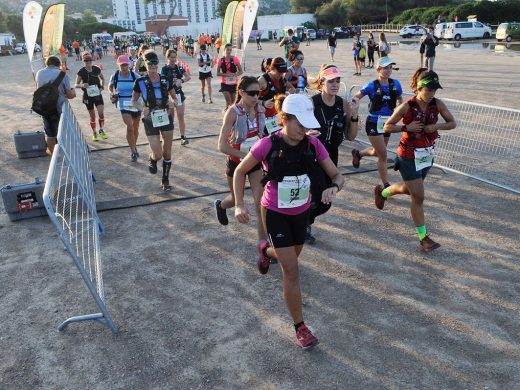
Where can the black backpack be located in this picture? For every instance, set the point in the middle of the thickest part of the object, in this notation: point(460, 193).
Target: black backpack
point(45, 98)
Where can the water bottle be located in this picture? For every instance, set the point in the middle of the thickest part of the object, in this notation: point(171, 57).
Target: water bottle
point(179, 100)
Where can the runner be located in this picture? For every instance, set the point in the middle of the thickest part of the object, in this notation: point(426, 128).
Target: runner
point(415, 154)
point(229, 68)
point(158, 122)
point(205, 76)
point(121, 85)
point(384, 93)
point(173, 71)
point(140, 65)
point(218, 44)
point(297, 74)
point(272, 83)
point(165, 43)
point(290, 159)
point(76, 45)
point(338, 120)
point(331, 44)
point(289, 42)
point(133, 58)
point(90, 79)
point(238, 133)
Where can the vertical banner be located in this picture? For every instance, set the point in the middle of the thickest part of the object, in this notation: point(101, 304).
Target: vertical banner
point(249, 19)
point(52, 31)
point(238, 21)
point(32, 13)
point(227, 25)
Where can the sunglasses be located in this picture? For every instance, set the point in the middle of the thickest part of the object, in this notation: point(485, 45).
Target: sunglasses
point(252, 93)
point(153, 62)
point(300, 58)
point(87, 60)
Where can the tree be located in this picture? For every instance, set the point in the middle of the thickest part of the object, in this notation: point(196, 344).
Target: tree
point(173, 5)
point(88, 17)
point(332, 14)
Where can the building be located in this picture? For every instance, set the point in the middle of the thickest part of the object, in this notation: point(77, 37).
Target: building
point(131, 14)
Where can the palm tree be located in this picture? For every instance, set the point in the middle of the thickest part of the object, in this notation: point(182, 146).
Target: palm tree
point(173, 5)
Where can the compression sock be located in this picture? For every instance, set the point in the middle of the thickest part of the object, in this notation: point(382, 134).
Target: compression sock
point(386, 193)
point(297, 326)
point(93, 126)
point(421, 231)
point(167, 164)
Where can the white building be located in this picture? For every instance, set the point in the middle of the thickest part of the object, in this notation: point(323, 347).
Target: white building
point(131, 14)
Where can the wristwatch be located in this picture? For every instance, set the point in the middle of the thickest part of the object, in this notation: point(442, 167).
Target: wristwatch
point(404, 128)
point(334, 185)
point(356, 119)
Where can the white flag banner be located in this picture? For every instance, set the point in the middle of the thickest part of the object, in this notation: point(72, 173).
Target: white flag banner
point(249, 19)
point(32, 13)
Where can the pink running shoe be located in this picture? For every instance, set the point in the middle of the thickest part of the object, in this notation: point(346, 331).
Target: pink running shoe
point(263, 260)
point(305, 338)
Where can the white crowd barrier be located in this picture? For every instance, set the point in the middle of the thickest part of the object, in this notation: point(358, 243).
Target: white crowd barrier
point(71, 204)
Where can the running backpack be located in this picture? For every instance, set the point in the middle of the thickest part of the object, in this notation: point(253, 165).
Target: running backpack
point(45, 98)
point(116, 79)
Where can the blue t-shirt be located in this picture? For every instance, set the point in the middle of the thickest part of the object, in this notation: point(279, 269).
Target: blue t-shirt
point(370, 90)
point(124, 87)
point(141, 88)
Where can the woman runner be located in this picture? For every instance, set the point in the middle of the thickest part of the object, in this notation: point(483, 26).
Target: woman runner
point(172, 70)
point(91, 81)
point(239, 132)
point(297, 74)
point(415, 154)
point(229, 68)
point(384, 94)
point(205, 64)
point(290, 171)
point(157, 119)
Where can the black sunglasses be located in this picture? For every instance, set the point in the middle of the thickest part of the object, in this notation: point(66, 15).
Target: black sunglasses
point(252, 93)
point(153, 62)
point(87, 60)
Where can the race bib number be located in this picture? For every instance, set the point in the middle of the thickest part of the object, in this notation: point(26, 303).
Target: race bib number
point(271, 124)
point(293, 191)
point(423, 157)
point(231, 79)
point(128, 106)
point(381, 120)
point(248, 144)
point(205, 69)
point(160, 118)
point(93, 91)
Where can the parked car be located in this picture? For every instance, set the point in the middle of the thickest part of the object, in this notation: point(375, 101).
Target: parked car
point(508, 31)
point(412, 30)
point(20, 48)
point(467, 30)
point(439, 30)
point(37, 48)
point(311, 31)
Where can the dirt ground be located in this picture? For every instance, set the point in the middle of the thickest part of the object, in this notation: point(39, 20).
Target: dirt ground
point(194, 313)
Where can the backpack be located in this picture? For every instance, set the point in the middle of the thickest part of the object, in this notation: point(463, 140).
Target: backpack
point(116, 79)
point(277, 162)
point(45, 98)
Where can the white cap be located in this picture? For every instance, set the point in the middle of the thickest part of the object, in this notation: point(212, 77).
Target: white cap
point(302, 108)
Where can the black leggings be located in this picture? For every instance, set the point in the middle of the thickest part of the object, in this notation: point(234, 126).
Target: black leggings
point(370, 54)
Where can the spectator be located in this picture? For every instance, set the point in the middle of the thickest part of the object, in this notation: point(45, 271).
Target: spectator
point(428, 44)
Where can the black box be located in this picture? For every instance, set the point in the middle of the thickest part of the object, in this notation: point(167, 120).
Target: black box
point(30, 144)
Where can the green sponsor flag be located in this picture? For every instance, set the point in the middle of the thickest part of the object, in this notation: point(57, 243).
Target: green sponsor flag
point(227, 25)
point(238, 22)
point(52, 30)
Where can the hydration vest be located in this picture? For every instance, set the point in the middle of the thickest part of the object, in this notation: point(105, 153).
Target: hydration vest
point(286, 160)
point(382, 98)
point(332, 126)
point(151, 100)
point(298, 81)
point(232, 66)
point(116, 80)
point(271, 90)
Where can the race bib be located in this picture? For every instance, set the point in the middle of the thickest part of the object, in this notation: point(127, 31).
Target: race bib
point(93, 91)
point(160, 118)
point(204, 69)
point(423, 157)
point(179, 100)
point(271, 124)
point(248, 144)
point(128, 106)
point(293, 191)
point(381, 120)
point(231, 79)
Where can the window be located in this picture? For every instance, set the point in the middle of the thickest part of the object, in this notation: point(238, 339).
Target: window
point(179, 7)
point(478, 24)
point(188, 6)
point(197, 13)
point(138, 11)
point(205, 9)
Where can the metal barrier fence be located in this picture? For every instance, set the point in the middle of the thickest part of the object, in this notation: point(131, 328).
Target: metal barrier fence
point(394, 28)
point(71, 204)
point(485, 145)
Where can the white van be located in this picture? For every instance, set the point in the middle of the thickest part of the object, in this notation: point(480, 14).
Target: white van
point(439, 30)
point(123, 36)
point(466, 30)
point(102, 37)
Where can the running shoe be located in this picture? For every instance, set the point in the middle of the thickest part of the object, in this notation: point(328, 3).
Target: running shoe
point(165, 185)
point(103, 135)
point(305, 338)
point(309, 238)
point(184, 140)
point(210, 101)
point(428, 245)
point(152, 165)
point(203, 98)
point(263, 261)
point(220, 212)
point(95, 137)
point(356, 158)
point(378, 198)
point(133, 157)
